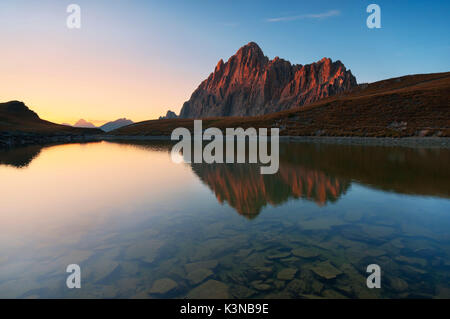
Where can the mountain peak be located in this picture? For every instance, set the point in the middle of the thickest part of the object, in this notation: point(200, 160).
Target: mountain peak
point(250, 84)
point(250, 50)
point(84, 123)
point(110, 126)
point(252, 46)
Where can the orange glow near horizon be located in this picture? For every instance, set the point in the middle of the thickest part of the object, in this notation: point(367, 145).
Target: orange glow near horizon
point(78, 185)
point(98, 90)
point(101, 72)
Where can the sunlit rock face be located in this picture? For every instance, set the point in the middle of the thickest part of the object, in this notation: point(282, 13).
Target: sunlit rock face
point(251, 84)
point(248, 192)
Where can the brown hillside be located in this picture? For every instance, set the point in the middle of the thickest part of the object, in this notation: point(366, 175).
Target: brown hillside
point(414, 105)
point(17, 118)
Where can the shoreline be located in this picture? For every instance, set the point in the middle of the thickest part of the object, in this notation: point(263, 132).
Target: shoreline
point(10, 141)
point(25, 139)
point(439, 142)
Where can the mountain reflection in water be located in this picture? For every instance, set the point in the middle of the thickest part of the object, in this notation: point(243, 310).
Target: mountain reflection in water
point(316, 172)
point(247, 191)
point(141, 226)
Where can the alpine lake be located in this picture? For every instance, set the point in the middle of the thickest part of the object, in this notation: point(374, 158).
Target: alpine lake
point(142, 226)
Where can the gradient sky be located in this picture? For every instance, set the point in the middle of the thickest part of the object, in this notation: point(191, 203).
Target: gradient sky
point(137, 59)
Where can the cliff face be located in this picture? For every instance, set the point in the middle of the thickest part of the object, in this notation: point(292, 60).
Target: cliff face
point(251, 84)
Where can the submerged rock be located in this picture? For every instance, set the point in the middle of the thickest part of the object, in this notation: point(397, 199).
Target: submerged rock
point(279, 284)
point(238, 276)
point(208, 264)
point(147, 251)
point(103, 269)
point(212, 289)
point(263, 271)
point(317, 287)
point(242, 292)
point(198, 275)
point(411, 260)
point(244, 253)
point(256, 260)
point(326, 270)
point(321, 223)
point(298, 287)
point(163, 286)
point(378, 232)
point(410, 270)
point(398, 284)
point(279, 255)
point(375, 252)
point(305, 252)
point(259, 285)
point(289, 260)
point(287, 274)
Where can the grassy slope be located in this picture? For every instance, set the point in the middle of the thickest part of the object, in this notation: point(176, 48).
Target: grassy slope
point(24, 122)
point(415, 105)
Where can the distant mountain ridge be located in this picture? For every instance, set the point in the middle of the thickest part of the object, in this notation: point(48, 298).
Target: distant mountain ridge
point(84, 123)
point(107, 127)
point(110, 126)
point(250, 84)
point(169, 115)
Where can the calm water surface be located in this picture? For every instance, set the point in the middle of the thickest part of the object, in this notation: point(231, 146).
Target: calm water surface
point(141, 226)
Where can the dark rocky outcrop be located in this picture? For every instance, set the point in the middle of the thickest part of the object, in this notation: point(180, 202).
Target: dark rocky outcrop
point(17, 109)
point(169, 115)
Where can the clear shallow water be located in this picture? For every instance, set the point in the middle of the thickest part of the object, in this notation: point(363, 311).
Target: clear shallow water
point(141, 226)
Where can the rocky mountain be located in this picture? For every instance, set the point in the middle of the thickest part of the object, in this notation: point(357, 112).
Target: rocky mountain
point(251, 84)
point(169, 115)
point(110, 126)
point(84, 123)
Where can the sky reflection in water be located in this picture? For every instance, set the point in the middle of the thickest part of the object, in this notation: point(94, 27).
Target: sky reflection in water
point(141, 226)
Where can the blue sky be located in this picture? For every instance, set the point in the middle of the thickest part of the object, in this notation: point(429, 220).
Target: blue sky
point(413, 38)
point(151, 55)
